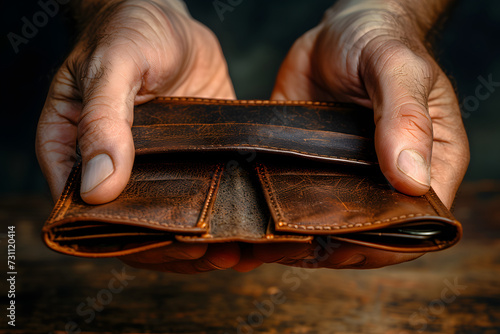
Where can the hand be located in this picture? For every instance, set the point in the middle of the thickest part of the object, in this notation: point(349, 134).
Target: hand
point(129, 53)
point(373, 57)
point(196, 258)
point(372, 53)
point(329, 253)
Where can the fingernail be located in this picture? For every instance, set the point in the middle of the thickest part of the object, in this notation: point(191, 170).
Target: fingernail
point(97, 170)
point(412, 164)
point(354, 260)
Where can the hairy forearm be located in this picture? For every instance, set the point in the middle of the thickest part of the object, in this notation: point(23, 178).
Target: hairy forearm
point(415, 16)
point(84, 11)
point(425, 13)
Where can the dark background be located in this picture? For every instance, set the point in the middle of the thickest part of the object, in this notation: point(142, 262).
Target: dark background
point(255, 37)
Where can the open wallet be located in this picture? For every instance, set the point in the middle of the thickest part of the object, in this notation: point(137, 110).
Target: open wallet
point(214, 171)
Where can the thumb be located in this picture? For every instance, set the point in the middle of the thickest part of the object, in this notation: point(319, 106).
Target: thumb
point(399, 89)
point(104, 128)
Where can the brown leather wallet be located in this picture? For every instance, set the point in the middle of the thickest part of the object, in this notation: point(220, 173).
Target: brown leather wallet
point(250, 171)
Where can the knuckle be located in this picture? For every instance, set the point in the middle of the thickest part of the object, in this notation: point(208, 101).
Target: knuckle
point(401, 59)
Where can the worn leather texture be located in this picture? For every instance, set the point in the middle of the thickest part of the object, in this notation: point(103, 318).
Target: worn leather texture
point(250, 171)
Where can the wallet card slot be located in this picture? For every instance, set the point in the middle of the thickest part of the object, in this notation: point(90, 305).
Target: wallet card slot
point(82, 231)
point(112, 235)
point(162, 197)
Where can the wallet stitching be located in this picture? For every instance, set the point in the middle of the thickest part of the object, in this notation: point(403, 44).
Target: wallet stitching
point(211, 193)
point(282, 221)
point(253, 102)
point(261, 169)
point(64, 196)
point(98, 215)
point(345, 226)
point(141, 220)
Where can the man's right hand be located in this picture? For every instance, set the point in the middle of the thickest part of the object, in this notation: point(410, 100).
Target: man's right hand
point(128, 53)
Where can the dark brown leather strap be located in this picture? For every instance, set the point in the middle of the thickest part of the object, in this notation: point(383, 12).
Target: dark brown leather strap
point(301, 130)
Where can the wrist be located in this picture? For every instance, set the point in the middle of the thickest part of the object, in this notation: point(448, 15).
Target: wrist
point(84, 12)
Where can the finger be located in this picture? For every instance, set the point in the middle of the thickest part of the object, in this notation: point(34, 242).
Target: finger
point(56, 132)
point(247, 260)
point(269, 253)
point(348, 256)
point(290, 83)
point(399, 82)
point(220, 256)
point(450, 152)
point(110, 84)
point(173, 252)
point(293, 81)
point(352, 256)
point(217, 257)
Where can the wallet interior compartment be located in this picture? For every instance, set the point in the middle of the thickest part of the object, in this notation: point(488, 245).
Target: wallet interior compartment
point(95, 239)
point(354, 203)
point(91, 230)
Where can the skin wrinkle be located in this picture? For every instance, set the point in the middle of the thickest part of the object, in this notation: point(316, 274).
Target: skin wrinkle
point(91, 107)
point(60, 115)
point(412, 130)
point(60, 142)
point(95, 85)
point(62, 122)
point(406, 112)
point(93, 79)
point(372, 64)
point(313, 84)
point(89, 130)
point(62, 83)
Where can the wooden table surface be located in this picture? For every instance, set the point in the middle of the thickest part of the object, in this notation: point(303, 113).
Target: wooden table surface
point(454, 291)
